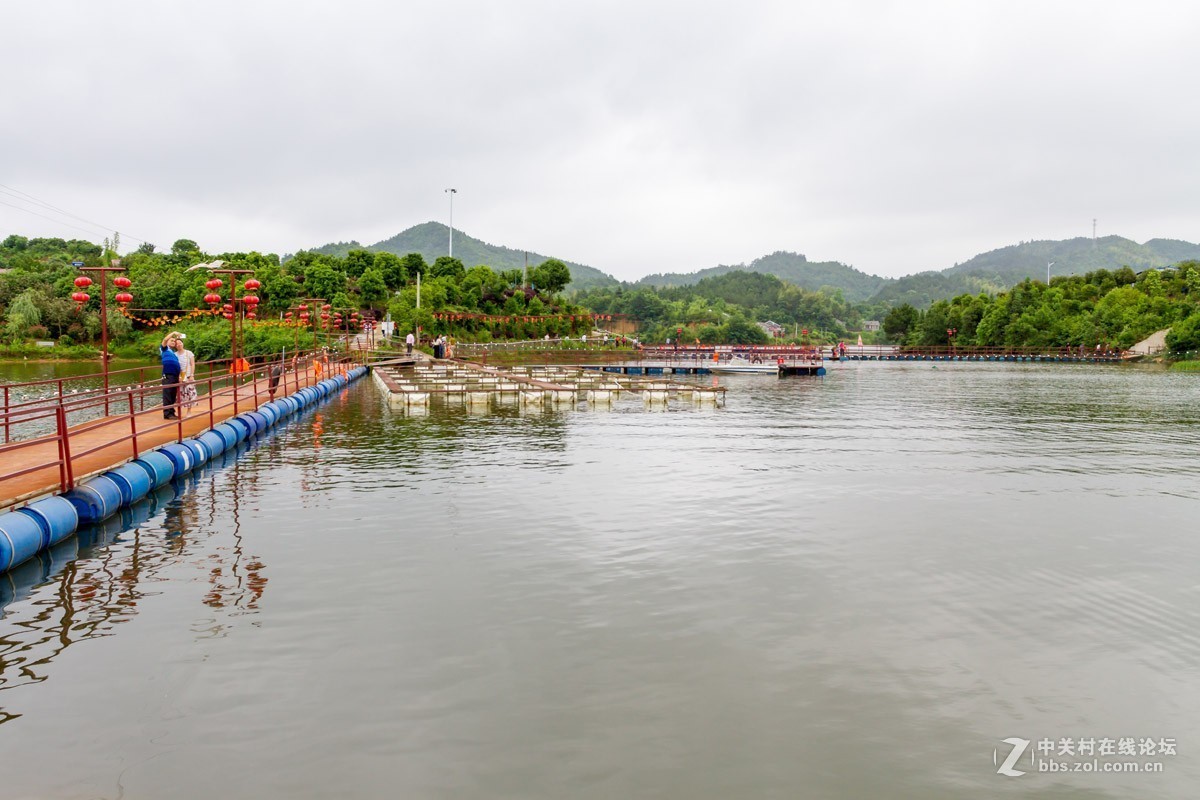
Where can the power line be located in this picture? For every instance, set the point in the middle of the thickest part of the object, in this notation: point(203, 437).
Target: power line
point(56, 209)
point(43, 216)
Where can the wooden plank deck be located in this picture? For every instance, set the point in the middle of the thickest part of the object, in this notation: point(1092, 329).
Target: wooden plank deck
point(102, 444)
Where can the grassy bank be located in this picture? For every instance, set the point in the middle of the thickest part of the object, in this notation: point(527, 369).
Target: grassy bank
point(1186, 366)
point(31, 352)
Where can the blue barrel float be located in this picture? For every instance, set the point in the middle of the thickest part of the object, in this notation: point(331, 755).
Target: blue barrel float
point(20, 539)
point(133, 481)
point(160, 468)
point(95, 499)
point(246, 425)
point(57, 518)
point(261, 422)
point(181, 458)
point(200, 454)
point(138, 489)
point(215, 443)
point(228, 433)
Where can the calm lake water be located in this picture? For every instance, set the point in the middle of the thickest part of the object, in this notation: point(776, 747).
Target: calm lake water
point(854, 587)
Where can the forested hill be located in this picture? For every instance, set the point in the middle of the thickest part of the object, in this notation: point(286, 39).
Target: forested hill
point(431, 239)
point(791, 267)
point(1079, 256)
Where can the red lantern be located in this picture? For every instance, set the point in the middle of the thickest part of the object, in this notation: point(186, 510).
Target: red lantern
point(124, 297)
point(212, 299)
point(228, 315)
point(250, 300)
point(303, 307)
point(251, 285)
point(121, 282)
point(324, 315)
point(83, 281)
point(213, 285)
point(80, 297)
point(227, 308)
point(288, 315)
point(251, 315)
point(326, 307)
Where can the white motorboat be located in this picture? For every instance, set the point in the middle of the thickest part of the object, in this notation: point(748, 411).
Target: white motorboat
point(739, 365)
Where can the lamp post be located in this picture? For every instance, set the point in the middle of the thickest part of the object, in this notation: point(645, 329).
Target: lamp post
point(950, 334)
point(123, 297)
point(452, 192)
point(1049, 264)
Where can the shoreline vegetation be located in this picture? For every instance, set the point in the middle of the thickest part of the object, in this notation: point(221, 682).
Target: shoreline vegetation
point(1110, 309)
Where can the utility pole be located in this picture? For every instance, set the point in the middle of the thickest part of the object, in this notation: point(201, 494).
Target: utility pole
point(452, 192)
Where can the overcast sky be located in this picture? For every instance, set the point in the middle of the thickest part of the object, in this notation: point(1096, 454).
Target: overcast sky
point(634, 137)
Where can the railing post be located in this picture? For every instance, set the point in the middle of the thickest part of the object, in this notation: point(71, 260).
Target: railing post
point(211, 418)
point(6, 420)
point(66, 469)
point(133, 425)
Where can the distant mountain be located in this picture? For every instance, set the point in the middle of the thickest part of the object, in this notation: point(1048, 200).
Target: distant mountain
point(1011, 265)
point(994, 271)
point(794, 268)
point(431, 240)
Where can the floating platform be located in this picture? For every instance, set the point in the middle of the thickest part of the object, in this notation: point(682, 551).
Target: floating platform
point(416, 385)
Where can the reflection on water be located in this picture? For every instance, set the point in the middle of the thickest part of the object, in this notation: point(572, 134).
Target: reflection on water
point(86, 586)
point(849, 587)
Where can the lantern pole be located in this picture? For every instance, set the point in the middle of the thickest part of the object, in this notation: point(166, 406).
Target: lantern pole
point(233, 274)
point(113, 267)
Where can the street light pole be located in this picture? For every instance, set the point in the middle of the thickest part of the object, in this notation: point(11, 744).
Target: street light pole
point(1048, 266)
point(452, 192)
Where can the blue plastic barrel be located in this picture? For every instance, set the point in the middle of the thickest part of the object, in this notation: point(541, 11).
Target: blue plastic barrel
point(261, 421)
point(57, 518)
point(214, 441)
point(240, 432)
point(157, 466)
point(181, 458)
point(270, 413)
point(246, 424)
point(200, 454)
point(229, 433)
point(133, 481)
point(95, 499)
point(20, 539)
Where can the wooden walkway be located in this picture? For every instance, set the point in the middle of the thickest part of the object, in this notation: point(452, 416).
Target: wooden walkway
point(36, 467)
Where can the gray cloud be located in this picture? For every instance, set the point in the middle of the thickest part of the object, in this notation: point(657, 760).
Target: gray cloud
point(630, 136)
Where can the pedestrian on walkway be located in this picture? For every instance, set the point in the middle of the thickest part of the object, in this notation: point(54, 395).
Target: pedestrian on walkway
point(409, 341)
point(170, 375)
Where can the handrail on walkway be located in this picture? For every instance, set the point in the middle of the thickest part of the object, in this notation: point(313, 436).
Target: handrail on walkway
point(66, 431)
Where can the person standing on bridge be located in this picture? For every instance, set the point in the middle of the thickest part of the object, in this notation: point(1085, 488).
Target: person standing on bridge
point(170, 375)
point(187, 375)
point(409, 341)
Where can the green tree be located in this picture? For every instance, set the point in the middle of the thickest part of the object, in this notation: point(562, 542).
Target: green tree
point(373, 287)
point(551, 276)
point(414, 265)
point(392, 268)
point(447, 267)
point(22, 314)
point(322, 280)
point(358, 261)
point(899, 321)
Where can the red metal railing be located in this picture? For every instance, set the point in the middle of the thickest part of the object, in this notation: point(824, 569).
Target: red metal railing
point(46, 422)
